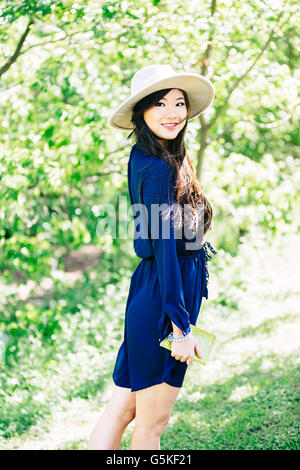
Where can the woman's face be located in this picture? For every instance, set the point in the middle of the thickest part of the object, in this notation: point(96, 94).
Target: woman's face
point(170, 109)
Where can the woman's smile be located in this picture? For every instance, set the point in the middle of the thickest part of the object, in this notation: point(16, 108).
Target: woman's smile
point(169, 126)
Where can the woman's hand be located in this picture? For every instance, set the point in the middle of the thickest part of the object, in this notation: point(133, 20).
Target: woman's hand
point(184, 351)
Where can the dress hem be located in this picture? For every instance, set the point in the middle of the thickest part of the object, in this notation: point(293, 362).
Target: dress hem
point(136, 389)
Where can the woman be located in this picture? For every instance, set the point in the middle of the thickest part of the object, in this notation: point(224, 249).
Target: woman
point(167, 287)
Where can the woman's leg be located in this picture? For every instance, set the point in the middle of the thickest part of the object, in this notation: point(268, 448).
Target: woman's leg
point(153, 410)
point(119, 412)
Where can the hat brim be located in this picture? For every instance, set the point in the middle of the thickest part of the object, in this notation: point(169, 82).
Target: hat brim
point(199, 89)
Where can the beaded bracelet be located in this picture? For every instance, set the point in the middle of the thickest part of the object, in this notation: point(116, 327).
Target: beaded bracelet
point(182, 338)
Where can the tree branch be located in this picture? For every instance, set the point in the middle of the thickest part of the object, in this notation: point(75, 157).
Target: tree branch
point(67, 35)
point(17, 52)
point(238, 81)
point(208, 49)
point(203, 130)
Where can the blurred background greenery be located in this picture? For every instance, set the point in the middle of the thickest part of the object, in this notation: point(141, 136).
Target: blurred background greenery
point(64, 66)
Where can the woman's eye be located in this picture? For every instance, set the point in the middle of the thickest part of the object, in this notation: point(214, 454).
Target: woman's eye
point(164, 103)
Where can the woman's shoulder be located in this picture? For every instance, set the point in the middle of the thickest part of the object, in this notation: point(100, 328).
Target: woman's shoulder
point(154, 163)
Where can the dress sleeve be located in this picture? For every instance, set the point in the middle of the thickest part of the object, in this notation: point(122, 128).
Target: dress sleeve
point(157, 190)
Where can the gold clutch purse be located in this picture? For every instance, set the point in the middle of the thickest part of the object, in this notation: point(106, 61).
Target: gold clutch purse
point(204, 339)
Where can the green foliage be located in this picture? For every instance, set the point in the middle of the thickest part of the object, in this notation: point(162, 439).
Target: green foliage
point(252, 199)
point(64, 66)
point(57, 348)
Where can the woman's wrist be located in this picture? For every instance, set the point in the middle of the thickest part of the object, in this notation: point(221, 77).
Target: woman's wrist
point(179, 339)
point(177, 332)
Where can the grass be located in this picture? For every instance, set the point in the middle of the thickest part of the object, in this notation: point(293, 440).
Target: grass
point(255, 409)
point(247, 397)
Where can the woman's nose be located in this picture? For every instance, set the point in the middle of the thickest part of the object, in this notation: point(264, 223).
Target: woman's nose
point(171, 112)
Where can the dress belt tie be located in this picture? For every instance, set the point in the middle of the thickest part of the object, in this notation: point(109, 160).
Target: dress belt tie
point(208, 257)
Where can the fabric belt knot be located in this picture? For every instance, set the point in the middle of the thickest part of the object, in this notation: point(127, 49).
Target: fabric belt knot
point(208, 257)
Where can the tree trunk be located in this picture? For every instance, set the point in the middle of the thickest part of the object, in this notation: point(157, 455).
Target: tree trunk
point(202, 138)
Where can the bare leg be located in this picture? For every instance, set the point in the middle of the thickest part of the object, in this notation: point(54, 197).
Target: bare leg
point(119, 412)
point(153, 410)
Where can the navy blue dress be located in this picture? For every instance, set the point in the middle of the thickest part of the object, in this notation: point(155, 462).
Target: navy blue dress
point(168, 284)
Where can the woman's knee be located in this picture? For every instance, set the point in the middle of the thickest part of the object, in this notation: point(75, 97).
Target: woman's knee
point(153, 430)
point(128, 416)
point(153, 407)
point(122, 415)
point(122, 406)
point(161, 423)
point(154, 426)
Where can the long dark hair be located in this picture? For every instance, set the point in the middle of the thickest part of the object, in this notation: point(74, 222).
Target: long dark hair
point(188, 190)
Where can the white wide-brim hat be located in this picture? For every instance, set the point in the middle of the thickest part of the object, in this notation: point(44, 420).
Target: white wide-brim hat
point(152, 78)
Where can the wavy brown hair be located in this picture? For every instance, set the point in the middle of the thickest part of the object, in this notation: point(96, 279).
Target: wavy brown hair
point(188, 190)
